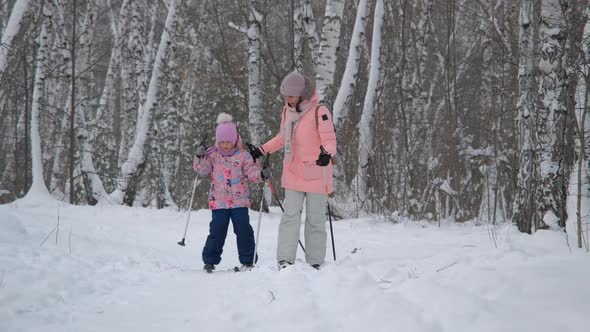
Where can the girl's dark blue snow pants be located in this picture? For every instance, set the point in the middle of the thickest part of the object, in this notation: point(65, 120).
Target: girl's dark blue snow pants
point(218, 231)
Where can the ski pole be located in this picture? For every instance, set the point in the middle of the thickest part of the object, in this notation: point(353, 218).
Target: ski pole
point(258, 227)
point(331, 230)
point(328, 203)
point(251, 148)
point(272, 189)
point(190, 205)
point(256, 239)
point(190, 208)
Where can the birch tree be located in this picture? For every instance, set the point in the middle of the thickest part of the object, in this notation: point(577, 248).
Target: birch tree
point(136, 155)
point(104, 140)
point(298, 32)
point(365, 125)
point(93, 187)
point(550, 198)
point(255, 111)
point(252, 31)
point(59, 95)
point(38, 187)
point(341, 105)
point(341, 108)
point(168, 129)
point(575, 15)
point(304, 30)
point(330, 38)
point(132, 78)
point(525, 213)
point(311, 30)
point(154, 185)
point(12, 29)
point(253, 34)
point(581, 126)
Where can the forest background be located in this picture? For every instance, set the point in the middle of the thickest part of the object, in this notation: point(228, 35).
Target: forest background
point(457, 109)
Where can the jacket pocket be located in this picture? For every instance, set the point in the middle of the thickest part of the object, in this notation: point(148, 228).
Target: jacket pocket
point(311, 171)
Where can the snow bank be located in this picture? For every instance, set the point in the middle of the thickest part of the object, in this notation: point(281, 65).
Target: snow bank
point(116, 268)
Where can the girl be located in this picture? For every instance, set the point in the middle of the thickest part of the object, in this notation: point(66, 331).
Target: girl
point(230, 166)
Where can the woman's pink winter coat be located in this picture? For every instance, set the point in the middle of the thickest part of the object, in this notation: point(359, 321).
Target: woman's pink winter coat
point(229, 174)
point(300, 171)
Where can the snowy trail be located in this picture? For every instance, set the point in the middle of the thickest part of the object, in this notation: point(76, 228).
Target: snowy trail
point(125, 272)
point(260, 300)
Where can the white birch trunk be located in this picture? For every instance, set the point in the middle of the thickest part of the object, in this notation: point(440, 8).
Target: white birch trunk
point(136, 154)
point(58, 176)
point(525, 214)
point(341, 108)
point(150, 47)
point(156, 179)
point(12, 29)
point(582, 158)
point(4, 16)
point(298, 35)
point(141, 59)
point(38, 187)
point(369, 108)
point(255, 112)
point(422, 86)
point(488, 166)
point(114, 66)
point(169, 139)
point(326, 60)
point(583, 125)
point(87, 125)
point(104, 140)
point(311, 31)
point(254, 34)
point(582, 90)
point(552, 80)
point(132, 62)
point(58, 93)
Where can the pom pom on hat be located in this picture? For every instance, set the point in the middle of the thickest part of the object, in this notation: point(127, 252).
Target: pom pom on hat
point(226, 130)
point(224, 117)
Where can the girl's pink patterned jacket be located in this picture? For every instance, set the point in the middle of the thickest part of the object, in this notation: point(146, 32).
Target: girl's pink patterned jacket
point(229, 173)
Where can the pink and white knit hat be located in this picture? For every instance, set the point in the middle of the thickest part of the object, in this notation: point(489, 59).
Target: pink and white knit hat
point(226, 130)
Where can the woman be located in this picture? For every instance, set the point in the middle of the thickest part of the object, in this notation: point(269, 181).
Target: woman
point(308, 138)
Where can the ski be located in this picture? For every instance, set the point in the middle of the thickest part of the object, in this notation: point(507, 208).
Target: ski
point(243, 268)
point(233, 269)
point(236, 268)
point(213, 271)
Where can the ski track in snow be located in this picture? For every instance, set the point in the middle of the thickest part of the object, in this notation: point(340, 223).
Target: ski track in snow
point(125, 272)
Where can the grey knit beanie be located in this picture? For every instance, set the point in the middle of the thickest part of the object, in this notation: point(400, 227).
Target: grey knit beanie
point(296, 84)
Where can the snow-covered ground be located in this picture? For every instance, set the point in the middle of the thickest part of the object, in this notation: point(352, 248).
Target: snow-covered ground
point(120, 269)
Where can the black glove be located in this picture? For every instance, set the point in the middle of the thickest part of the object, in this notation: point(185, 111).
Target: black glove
point(265, 173)
point(201, 151)
point(323, 159)
point(256, 153)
